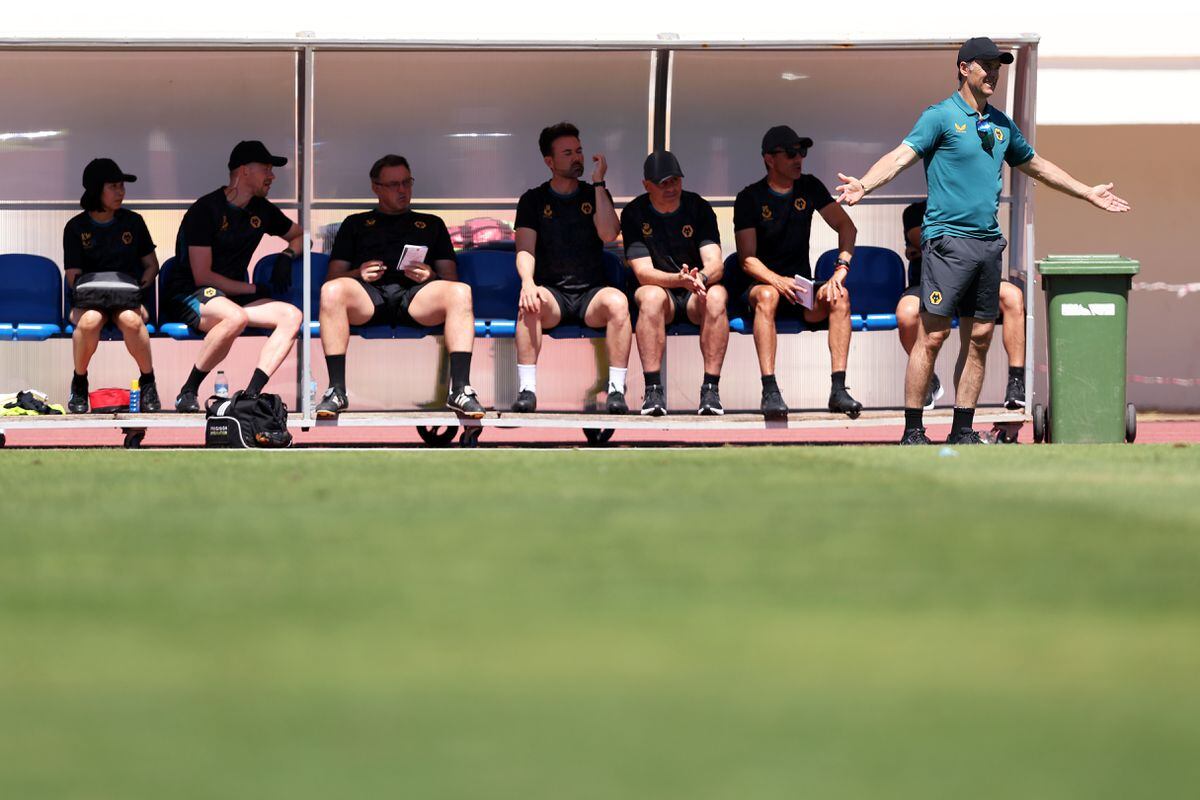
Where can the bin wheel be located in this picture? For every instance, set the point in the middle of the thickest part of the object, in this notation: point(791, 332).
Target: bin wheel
point(3, 440)
point(437, 436)
point(1039, 423)
point(470, 436)
point(1007, 432)
point(1130, 422)
point(134, 437)
point(598, 435)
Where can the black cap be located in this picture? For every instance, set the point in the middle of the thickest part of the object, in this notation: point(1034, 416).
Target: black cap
point(660, 165)
point(914, 215)
point(100, 171)
point(253, 152)
point(780, 137)
point(982, 48)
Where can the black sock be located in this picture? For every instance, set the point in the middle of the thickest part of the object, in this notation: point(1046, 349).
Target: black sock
point(913, 418)
point(838, 380)
point(146, 379)
point(769, 383)
point(653, 378)
point(337, 370)
point(1016, 372)
point(194, 380)
point(460, 370)
point(257, 381)
point(79, 383)
point(963, 418)
point(715, 380)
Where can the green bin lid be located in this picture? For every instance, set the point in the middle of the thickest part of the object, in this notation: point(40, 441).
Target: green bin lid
point(1105, 264)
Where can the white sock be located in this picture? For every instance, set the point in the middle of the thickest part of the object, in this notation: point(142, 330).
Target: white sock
point(616, 379)
point(527, 377)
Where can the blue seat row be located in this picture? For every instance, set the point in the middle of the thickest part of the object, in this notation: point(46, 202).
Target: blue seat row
point(34, 302)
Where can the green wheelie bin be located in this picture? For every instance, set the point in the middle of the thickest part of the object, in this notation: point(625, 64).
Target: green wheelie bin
point(1087, 303)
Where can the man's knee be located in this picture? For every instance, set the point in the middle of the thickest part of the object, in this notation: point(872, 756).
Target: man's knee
point(129, 320)
point(614, 305)
point(652, 302)
point(715, 301)
point(981, 336)
point(764, 300)
point(290, 317)
point(908, 311)
point(90, 321)
point(840, 306)
point(334, 295)
point(1012, 300)
point(459, 295)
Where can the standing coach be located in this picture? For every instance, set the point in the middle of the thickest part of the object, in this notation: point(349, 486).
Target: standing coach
point(964, 143)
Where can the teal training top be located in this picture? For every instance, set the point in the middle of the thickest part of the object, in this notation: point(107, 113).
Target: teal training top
point(963, 177)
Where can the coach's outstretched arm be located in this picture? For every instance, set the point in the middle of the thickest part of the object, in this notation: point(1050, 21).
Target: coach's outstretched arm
point(1054, 176)
point(851, 190)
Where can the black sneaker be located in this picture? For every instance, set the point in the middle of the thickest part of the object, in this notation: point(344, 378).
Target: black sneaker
point(1014, 397)
point(773, 406)
point(150, 402)
point(333, 403)
point(78, 403)
point(915, 436)
point(526, 402)
point(615, 404)
point(655, 404)
point(934, 392)
point(187, 403)
point(465, 402)
point(710, 401)
point(840, 402)
point(964, 436)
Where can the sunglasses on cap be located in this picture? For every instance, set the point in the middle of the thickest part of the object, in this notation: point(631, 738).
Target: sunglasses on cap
point(791, 152)
point(987, 134)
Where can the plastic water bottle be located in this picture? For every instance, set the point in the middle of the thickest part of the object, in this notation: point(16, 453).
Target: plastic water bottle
point(221, 387)
point(135, 397)
point(312, 394)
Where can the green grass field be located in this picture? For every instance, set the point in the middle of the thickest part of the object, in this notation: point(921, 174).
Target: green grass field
point(823, 622)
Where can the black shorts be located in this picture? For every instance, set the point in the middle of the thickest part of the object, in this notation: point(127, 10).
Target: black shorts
point(391, 302)
point(186, 307)
point(961, 276)
point(574, 305)
point(912, 291)
point(784, 310)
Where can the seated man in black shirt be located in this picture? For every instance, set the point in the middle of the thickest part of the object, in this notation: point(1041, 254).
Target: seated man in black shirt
point(210, 290)
point(109, 238)
point(674, 248)
point(562, 226)
point(772, 220)
point(366, 285)
point(908, 318)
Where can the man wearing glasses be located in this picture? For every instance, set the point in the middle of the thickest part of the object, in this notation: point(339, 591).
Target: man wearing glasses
point(964, 143)
point(368, 285)
point(772, 220)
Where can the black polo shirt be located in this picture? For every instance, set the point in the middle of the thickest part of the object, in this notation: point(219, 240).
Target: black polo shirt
point(115, 246)
point(233, 234)
point(375, 236)
point(569, 253)
point(670, 240)
point(782, 222)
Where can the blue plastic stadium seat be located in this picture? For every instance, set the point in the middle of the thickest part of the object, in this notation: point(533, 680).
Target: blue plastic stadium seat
point(875, 282)
point(881, 322)
point(7, 334)
point(167, 326)
point(495, 288)
point(30, 296)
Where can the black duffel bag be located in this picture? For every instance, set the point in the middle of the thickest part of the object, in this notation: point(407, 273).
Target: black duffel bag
point(246, 421)
point(106, 291)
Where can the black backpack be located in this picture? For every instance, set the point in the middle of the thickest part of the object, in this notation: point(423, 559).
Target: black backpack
point(246, 421)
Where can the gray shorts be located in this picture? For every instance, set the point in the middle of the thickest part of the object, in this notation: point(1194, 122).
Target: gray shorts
point(960, 277)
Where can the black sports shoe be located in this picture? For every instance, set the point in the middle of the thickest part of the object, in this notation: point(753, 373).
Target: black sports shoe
point(655, 404)
point(526, 402)
point(773, 406)
point(186, 403)
point(710, 401)
point(915, 436)
point(465, 402)
point(964, 436)
point(150, 402)
point(615, 404)
point(333, 403)
point(1014, 397)
point(934, 392)
point(840, 402)
point(78, 404)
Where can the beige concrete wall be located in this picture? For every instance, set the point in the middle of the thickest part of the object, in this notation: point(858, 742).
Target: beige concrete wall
point(1157, 169)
